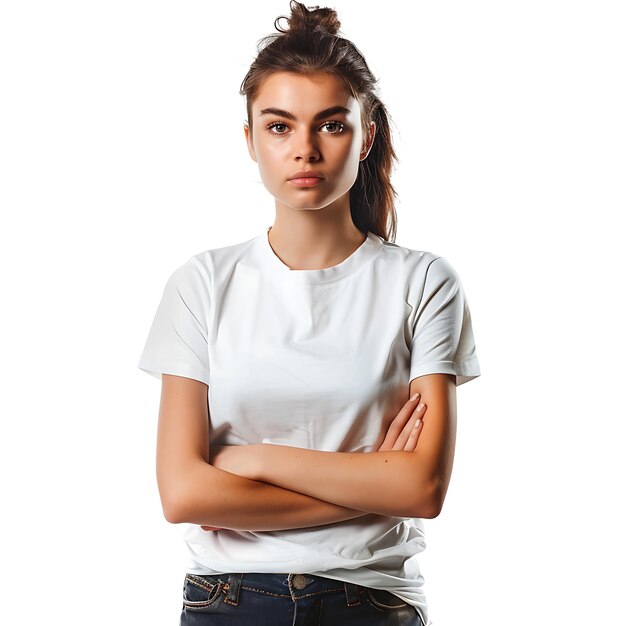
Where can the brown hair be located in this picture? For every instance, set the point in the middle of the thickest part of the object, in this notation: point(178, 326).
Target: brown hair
point(311, 44)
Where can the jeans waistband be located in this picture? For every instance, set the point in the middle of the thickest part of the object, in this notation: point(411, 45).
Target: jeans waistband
point(288, 584)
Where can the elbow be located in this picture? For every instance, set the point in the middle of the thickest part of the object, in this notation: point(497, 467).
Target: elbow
point(434, 510)
point(428, 502)
point(175, 509)
point(170, 516)
point(175, 502)
point(173, 514)
point(181, 497)
point(426, 510)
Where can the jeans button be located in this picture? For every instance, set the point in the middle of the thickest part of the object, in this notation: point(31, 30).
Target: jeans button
point(299, 581)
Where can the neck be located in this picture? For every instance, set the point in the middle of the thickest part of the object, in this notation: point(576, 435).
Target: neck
point(313, 239)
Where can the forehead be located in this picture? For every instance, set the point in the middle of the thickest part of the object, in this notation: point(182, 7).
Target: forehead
point(305, 95)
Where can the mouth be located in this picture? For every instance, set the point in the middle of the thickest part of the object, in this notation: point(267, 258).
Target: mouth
point(305, 181)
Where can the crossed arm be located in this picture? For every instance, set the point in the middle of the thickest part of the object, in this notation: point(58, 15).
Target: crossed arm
point(271, 487)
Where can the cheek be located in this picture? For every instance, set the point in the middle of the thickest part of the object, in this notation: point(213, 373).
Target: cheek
point(349, 155)
point(349, 149)
point(271, 173)
point(265, 158)
point(267, 178)
point(270, 155)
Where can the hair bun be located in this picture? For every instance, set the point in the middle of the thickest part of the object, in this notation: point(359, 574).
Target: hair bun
point(301, 19)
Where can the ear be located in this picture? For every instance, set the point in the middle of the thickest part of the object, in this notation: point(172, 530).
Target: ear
point(248, 134)
point(370, 140)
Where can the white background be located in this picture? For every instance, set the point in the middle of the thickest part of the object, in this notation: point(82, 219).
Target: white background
point(122, 154)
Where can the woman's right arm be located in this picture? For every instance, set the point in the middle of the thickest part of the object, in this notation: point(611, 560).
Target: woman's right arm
point(193, 491)
point(221, 499)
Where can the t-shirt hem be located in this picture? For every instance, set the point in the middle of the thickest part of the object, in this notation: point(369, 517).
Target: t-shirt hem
point(464, 372)
point(184, 370)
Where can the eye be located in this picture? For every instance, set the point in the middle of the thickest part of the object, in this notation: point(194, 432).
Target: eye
point(339, 125)
point(273, 125)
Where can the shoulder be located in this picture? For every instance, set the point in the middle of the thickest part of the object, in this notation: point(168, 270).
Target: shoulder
point(418, 266)
point(201, 267)
point(413, 259)
point(223, 253)
point(440, 270)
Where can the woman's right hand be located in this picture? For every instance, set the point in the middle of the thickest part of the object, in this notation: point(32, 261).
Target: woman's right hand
point(404, 430)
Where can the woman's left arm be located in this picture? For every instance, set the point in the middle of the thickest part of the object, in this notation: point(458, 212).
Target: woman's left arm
point(393, 482)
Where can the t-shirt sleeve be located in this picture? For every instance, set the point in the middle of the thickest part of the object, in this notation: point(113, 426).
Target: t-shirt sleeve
point(442, 338)
point(177, 342)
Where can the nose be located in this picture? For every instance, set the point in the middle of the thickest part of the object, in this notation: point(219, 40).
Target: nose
point(306, 147)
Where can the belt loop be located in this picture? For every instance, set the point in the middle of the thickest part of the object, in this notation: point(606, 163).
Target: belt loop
point(352, 594)
point(232, 589)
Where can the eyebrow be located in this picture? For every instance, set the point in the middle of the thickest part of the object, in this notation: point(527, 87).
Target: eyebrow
point(290, 116)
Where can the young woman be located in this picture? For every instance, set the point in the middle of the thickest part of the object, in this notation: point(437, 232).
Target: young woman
point(286, 443)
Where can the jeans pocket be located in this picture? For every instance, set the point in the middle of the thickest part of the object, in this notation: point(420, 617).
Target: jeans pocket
point(201, 591)
point(385, 600)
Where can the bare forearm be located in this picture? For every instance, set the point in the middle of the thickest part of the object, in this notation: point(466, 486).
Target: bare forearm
point(388, 483)
point(219, 498)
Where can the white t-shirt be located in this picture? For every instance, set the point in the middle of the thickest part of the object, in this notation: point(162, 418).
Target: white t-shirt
point(318, 359)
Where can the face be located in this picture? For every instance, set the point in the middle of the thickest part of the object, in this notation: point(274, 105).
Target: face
point(294, 130)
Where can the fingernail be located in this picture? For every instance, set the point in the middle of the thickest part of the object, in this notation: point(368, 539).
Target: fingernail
point(420, 406)
point(417, 424)
point(416, 396)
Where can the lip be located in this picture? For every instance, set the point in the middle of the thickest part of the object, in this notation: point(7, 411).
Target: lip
point(304, 174)
point(305, 182)
point(305, 178)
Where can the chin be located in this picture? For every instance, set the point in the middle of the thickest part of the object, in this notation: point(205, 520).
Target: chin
point(304, 202)
point(303, 208)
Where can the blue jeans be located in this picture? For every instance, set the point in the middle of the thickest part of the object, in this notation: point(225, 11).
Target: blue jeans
point(263, 599)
